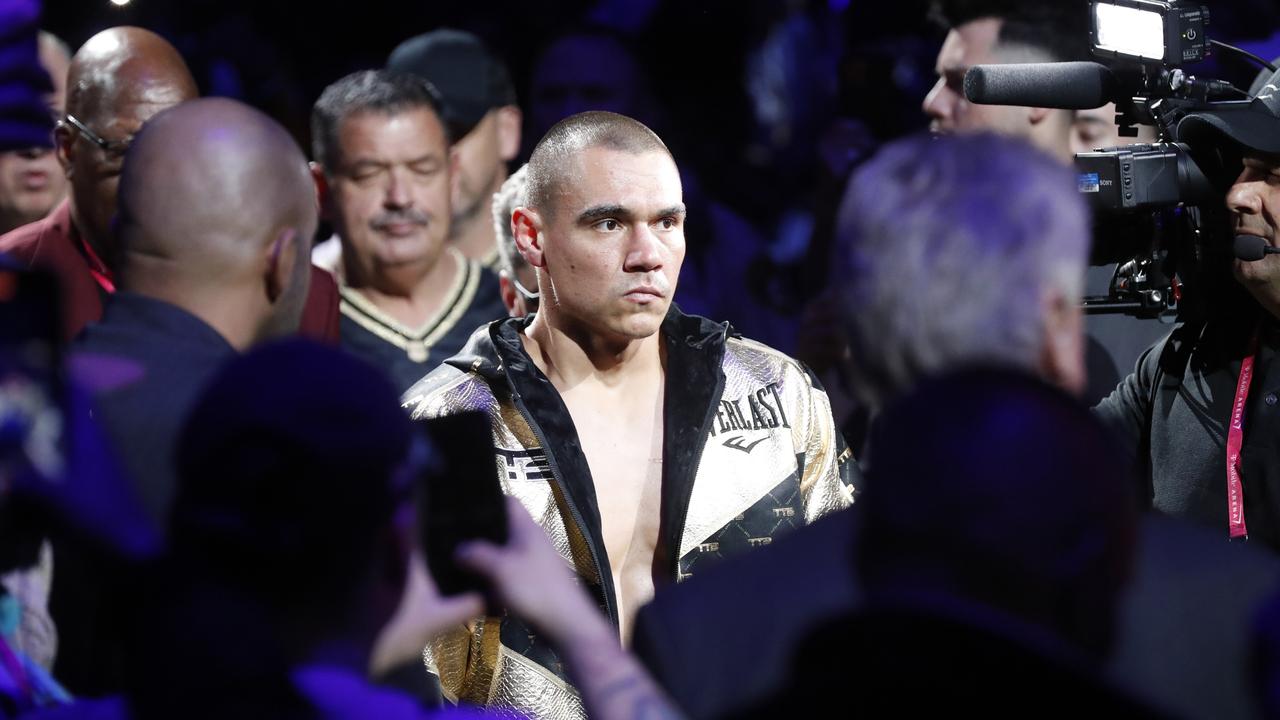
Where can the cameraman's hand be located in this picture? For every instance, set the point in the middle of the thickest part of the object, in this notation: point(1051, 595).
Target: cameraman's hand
point(534, 581)
point(423, 613)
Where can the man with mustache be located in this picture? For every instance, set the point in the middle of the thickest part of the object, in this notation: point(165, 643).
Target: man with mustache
point(385, 169)
point(648, 443)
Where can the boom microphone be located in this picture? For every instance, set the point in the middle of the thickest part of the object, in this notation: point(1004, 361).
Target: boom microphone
point(1062, 85)
point(1251, 247)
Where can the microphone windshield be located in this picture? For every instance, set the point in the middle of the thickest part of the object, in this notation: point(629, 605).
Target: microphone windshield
point(1250, 247)
point(1063, 85)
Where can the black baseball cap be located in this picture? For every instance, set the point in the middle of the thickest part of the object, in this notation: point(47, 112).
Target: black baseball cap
point(1254, 125)
point(470, 79)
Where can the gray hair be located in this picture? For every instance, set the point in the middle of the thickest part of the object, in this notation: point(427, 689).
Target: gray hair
point(509, 197)
point(945, 250)
point(375, 91)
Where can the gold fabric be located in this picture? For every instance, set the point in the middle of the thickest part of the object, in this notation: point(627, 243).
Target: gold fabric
point(532, 691)
point(773, 415)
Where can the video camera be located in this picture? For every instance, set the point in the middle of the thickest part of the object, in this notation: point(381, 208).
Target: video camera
point(1159, 207)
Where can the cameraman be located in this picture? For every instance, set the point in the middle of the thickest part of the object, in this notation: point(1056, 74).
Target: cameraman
point(983, 32)
point(1210, 390)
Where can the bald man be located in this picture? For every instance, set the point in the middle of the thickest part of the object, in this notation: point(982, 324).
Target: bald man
point(217, 211)
point(31, 181)
point(116, 81)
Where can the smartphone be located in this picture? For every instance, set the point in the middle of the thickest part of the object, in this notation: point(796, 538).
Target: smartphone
point(459, 498)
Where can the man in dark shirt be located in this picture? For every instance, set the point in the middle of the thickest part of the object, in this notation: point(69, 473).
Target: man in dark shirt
point(216, 219)
point(217, 212)
point(1208, 392)
point(385, 169)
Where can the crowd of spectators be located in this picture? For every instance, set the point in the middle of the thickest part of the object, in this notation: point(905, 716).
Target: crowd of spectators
point(793, 400)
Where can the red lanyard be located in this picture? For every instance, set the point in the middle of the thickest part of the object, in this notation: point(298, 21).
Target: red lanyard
point(1235, 440)
point(97, 268)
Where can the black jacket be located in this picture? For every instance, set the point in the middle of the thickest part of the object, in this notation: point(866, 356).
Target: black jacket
point(1173, 414)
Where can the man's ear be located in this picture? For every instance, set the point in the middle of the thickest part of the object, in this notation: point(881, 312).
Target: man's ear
point(63, 139)
point(526, 226)
point(324, 194)
point(1062, 359)
point(282, 256)
point(509, 120)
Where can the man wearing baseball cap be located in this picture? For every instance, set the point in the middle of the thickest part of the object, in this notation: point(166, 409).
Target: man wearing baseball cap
point(481, 113)
point(1200, 411)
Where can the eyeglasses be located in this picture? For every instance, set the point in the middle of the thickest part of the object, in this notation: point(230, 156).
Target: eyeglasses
point(113, 149)
point(530, 298)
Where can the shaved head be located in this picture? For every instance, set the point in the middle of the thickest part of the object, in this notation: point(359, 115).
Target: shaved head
point(603, 215)
point(552, 157)
point(125, 65)
point(116, 82)
point(209, 191)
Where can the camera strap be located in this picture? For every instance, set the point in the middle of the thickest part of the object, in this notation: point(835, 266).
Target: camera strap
point(1235, 441)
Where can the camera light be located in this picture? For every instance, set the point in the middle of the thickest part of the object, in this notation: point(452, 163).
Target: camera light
point(1129, 31)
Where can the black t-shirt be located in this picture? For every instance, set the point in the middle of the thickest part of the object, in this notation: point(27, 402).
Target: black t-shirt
point(1174, 412)
point(407, 354)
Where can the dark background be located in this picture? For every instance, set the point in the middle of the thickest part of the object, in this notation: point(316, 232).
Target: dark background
point(855, 72)
point(278, 55)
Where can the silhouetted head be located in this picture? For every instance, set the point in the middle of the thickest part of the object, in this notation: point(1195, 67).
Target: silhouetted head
point(287, 494)
point(958, 250)
point(587, 69)
point(992, 487)
point(217, 212)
